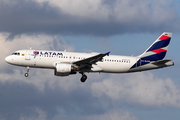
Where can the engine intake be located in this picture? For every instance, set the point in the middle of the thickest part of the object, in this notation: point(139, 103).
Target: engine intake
point(63, 69)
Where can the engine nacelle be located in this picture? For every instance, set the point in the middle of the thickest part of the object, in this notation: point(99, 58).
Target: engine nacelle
point(62, 69)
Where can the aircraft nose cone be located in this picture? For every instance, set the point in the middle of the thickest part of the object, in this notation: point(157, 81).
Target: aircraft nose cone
point(7, 59)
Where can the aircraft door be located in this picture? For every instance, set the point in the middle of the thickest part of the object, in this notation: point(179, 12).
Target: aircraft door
point(28, 55)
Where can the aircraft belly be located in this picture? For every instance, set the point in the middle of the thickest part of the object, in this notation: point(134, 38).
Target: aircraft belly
point(44, 63)
point(36, 62)
point(115, 67)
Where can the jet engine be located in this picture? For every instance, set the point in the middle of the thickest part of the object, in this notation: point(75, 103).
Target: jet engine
point(63, 69)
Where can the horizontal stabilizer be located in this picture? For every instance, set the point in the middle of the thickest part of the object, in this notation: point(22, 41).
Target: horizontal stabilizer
point(160, 62)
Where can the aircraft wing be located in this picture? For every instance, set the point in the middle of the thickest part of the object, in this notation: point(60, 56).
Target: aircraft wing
point(91, 60)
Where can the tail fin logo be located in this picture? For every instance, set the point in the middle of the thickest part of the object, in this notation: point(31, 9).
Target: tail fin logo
point(157, 51)
point(163, 37)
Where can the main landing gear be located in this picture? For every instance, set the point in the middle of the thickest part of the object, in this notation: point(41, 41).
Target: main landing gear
point(26, 74)
point(83, 78)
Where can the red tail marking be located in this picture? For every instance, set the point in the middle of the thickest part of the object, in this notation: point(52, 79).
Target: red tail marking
point(163, 37)
point(158, 50)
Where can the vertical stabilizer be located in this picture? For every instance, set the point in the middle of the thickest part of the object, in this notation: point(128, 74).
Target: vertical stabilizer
point(157, 51)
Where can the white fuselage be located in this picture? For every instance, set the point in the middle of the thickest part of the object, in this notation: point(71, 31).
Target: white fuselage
point(48, 59)
point(111, 63)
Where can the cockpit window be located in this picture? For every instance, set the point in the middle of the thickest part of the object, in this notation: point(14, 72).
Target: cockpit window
point(16, 53)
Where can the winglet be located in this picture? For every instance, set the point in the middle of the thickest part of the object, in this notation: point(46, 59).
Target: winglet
point(107, 53)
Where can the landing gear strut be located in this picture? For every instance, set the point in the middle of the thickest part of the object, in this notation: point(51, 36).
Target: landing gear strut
point(83, 78)
point(26, 74)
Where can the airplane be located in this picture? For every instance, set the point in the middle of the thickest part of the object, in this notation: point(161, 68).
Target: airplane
point(69, 63)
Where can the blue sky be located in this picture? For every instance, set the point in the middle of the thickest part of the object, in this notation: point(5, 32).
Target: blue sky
point(124, 27)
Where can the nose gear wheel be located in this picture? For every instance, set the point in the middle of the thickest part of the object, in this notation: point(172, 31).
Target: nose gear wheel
point(26, 74)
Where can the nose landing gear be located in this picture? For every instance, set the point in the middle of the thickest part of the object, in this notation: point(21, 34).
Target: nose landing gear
point(83, 78)
point(26, 74)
